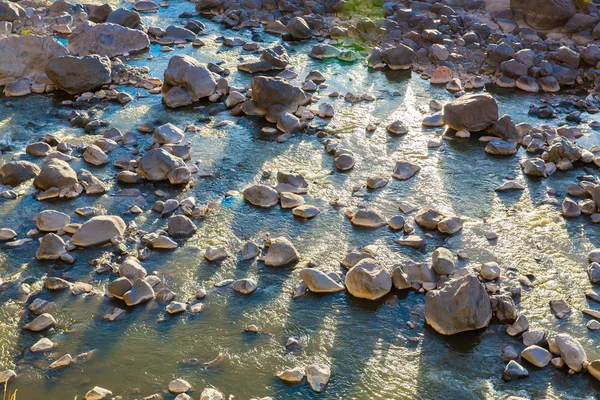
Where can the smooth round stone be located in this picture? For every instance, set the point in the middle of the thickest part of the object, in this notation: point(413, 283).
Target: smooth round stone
point(396, 222)
point(306, 211)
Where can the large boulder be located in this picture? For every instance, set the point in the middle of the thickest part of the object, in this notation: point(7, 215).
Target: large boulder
point(106, 39)
point(268, 91)
point(460, 305)
point(571, 351)
point(26, 56)
point(11, 11)
point(281, 252)
point(98, 230)
point(79, 74)
point(140, 292)
point(261, 196)
point(56, 173)
point(126, 18)
point(14, 173)
point(187, 73)
point(399, 57)
point(545, 14)
point(471, 112)
point(156, 164)
point(368, 280)
point(319, 282)
point(298, 29)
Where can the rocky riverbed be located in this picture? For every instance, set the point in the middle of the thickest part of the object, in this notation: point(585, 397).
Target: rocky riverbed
point(284, 199)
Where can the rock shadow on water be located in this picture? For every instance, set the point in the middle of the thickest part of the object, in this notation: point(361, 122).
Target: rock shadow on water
point(465, 168)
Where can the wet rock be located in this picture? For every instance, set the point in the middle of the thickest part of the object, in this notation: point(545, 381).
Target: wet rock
point(261, 196)
point(51, 220)
point(281, 252)
point(180, 226)
point(368, 219)
point(319, 282)
point(41, 323)
point(368, 280)
point(167, 134)
point(317, 376)
point(175, 307)
point(119, 287)
point(268, 91)
point(404, 170)
point(98, 393)
point(79, 74)
point(52, 247)
point(187, 73)
point(129, 19)
point(290, 200)
point(559, 308)
point(94, 155)
point(56, 173)
point(399, 57)
point(397, 128)
point(106, 39)
point(462, 304)
point(62, 362)
point(471, 112)
point(140, 292)
point(26, 56)
point(14, 173)
point(514, 370)
point(298, 29)
point(249, 251)
point(509, 353)
point(537, 356)
point(215, 253)
point(156, 164)
point(44, 344)
point(442, 261)
point(519, 326)
point(490, 271)
point(98, 230)
point(570, 209)
point(450, 225)
point(211, 394)
point(162, 242)
point(571, 351)
point(132, 269)
point(6, 376)
point(428, 218)
point(244, 286)
point(306, 211)
point(294, 375)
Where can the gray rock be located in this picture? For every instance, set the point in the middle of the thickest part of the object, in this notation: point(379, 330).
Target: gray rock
point(460, 305)
point(98, 230)
point(156, 164)
point(106, 39)
point(13, 173)
point(140, 292)
point(56, 173)
point(190, 75)
point(571, 351)
point(79, 74)
point(298, 29)
point(537, 356)
point(26, 56)
point(368, 280)
point(471, 112)
point(180, 226)
point(41, 323)
point(261, 196)
point(514, 370)
point(281, 252)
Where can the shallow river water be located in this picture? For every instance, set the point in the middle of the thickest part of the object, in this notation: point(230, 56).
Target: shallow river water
point(372, 352)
